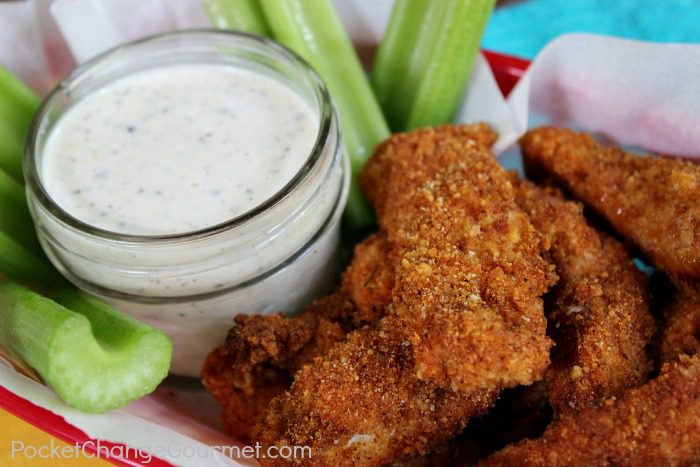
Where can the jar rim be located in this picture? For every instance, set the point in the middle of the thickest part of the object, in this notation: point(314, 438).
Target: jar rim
point(326, 112)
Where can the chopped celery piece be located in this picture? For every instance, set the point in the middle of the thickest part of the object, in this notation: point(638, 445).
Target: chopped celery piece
point(19, 102)
point(237, 15)
point(17, 106)
point(10, 151)
point(313, 30)
point(425, 59)
point(15, 220)
point(19, 263)
point(21, 256)
point(96, 360)
point(396, 58)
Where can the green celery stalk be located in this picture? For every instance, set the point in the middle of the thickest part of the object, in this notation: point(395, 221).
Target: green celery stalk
point(10, 151)
point(17, 107)
point(21, 256)
point(96, 360)
point(425, 59)
point(17, 103)
point(15, 220)
point(237, 15)
point(395, 57)
point(17, 262)
point(313, 30)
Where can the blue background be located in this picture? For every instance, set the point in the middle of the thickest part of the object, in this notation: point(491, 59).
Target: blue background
point(522, 28)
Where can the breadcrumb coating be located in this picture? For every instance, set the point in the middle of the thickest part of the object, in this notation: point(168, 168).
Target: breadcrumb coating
point(362, 405)
point(263, 352)
point(469, 275)
point(369, 280)
point(598, 312)
point(466, 268)
point(520, 413)
point(651, 201)
point(680, 318)
point(655, 424)
point(259, 357)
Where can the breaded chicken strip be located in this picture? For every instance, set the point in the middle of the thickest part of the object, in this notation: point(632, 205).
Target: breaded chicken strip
point(259, 357)
point(263, 352)
point(361, 404)
point(520, 413)
point(465, 311)
point(598, 316)
point(656, 424)
point(680, 328)
point(651, 201)
point(369, 280)
point(470, 276)
point(598, 312)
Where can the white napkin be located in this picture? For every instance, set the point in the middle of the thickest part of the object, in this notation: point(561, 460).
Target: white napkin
point(635, 93)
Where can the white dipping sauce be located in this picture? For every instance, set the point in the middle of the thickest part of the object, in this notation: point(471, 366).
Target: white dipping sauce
point(176, 148)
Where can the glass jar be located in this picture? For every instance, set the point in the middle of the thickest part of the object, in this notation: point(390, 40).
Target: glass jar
point(275, 257)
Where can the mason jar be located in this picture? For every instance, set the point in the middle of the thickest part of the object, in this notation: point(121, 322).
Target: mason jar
point(277, 256)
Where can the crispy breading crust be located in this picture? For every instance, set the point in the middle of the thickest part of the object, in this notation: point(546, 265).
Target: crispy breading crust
point(364, 402)
point(369, 279)
point(260, 355)
point(244, 395)
point(362, 405)
point(520, 413)
point(263, 352)
point(598, 312)
point(469, 277)
point(598, 316)
point(680, 323)
point(651, 201)
point(656, 424)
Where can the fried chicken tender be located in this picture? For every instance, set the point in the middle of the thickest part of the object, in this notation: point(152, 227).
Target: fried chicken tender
point(468, 271)
point(263, 352)
point(680, 332)
point(650, 201)
point(470, 275)
point(369, 280)
point(520, 413)
point(599, 318)
point(259, 357)
point(598, 312)
point(361, 404)
point(655, 424)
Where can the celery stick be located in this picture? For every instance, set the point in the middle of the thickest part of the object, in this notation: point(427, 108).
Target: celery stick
point(11, 146)
point(237, 15)
point(17, 262)
point(313, 30)
point(17, 102)
point(21, 256)
point(17, 106)
point(15, 220)
point(425, 59)
point(96, 362)
point(395, 58)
